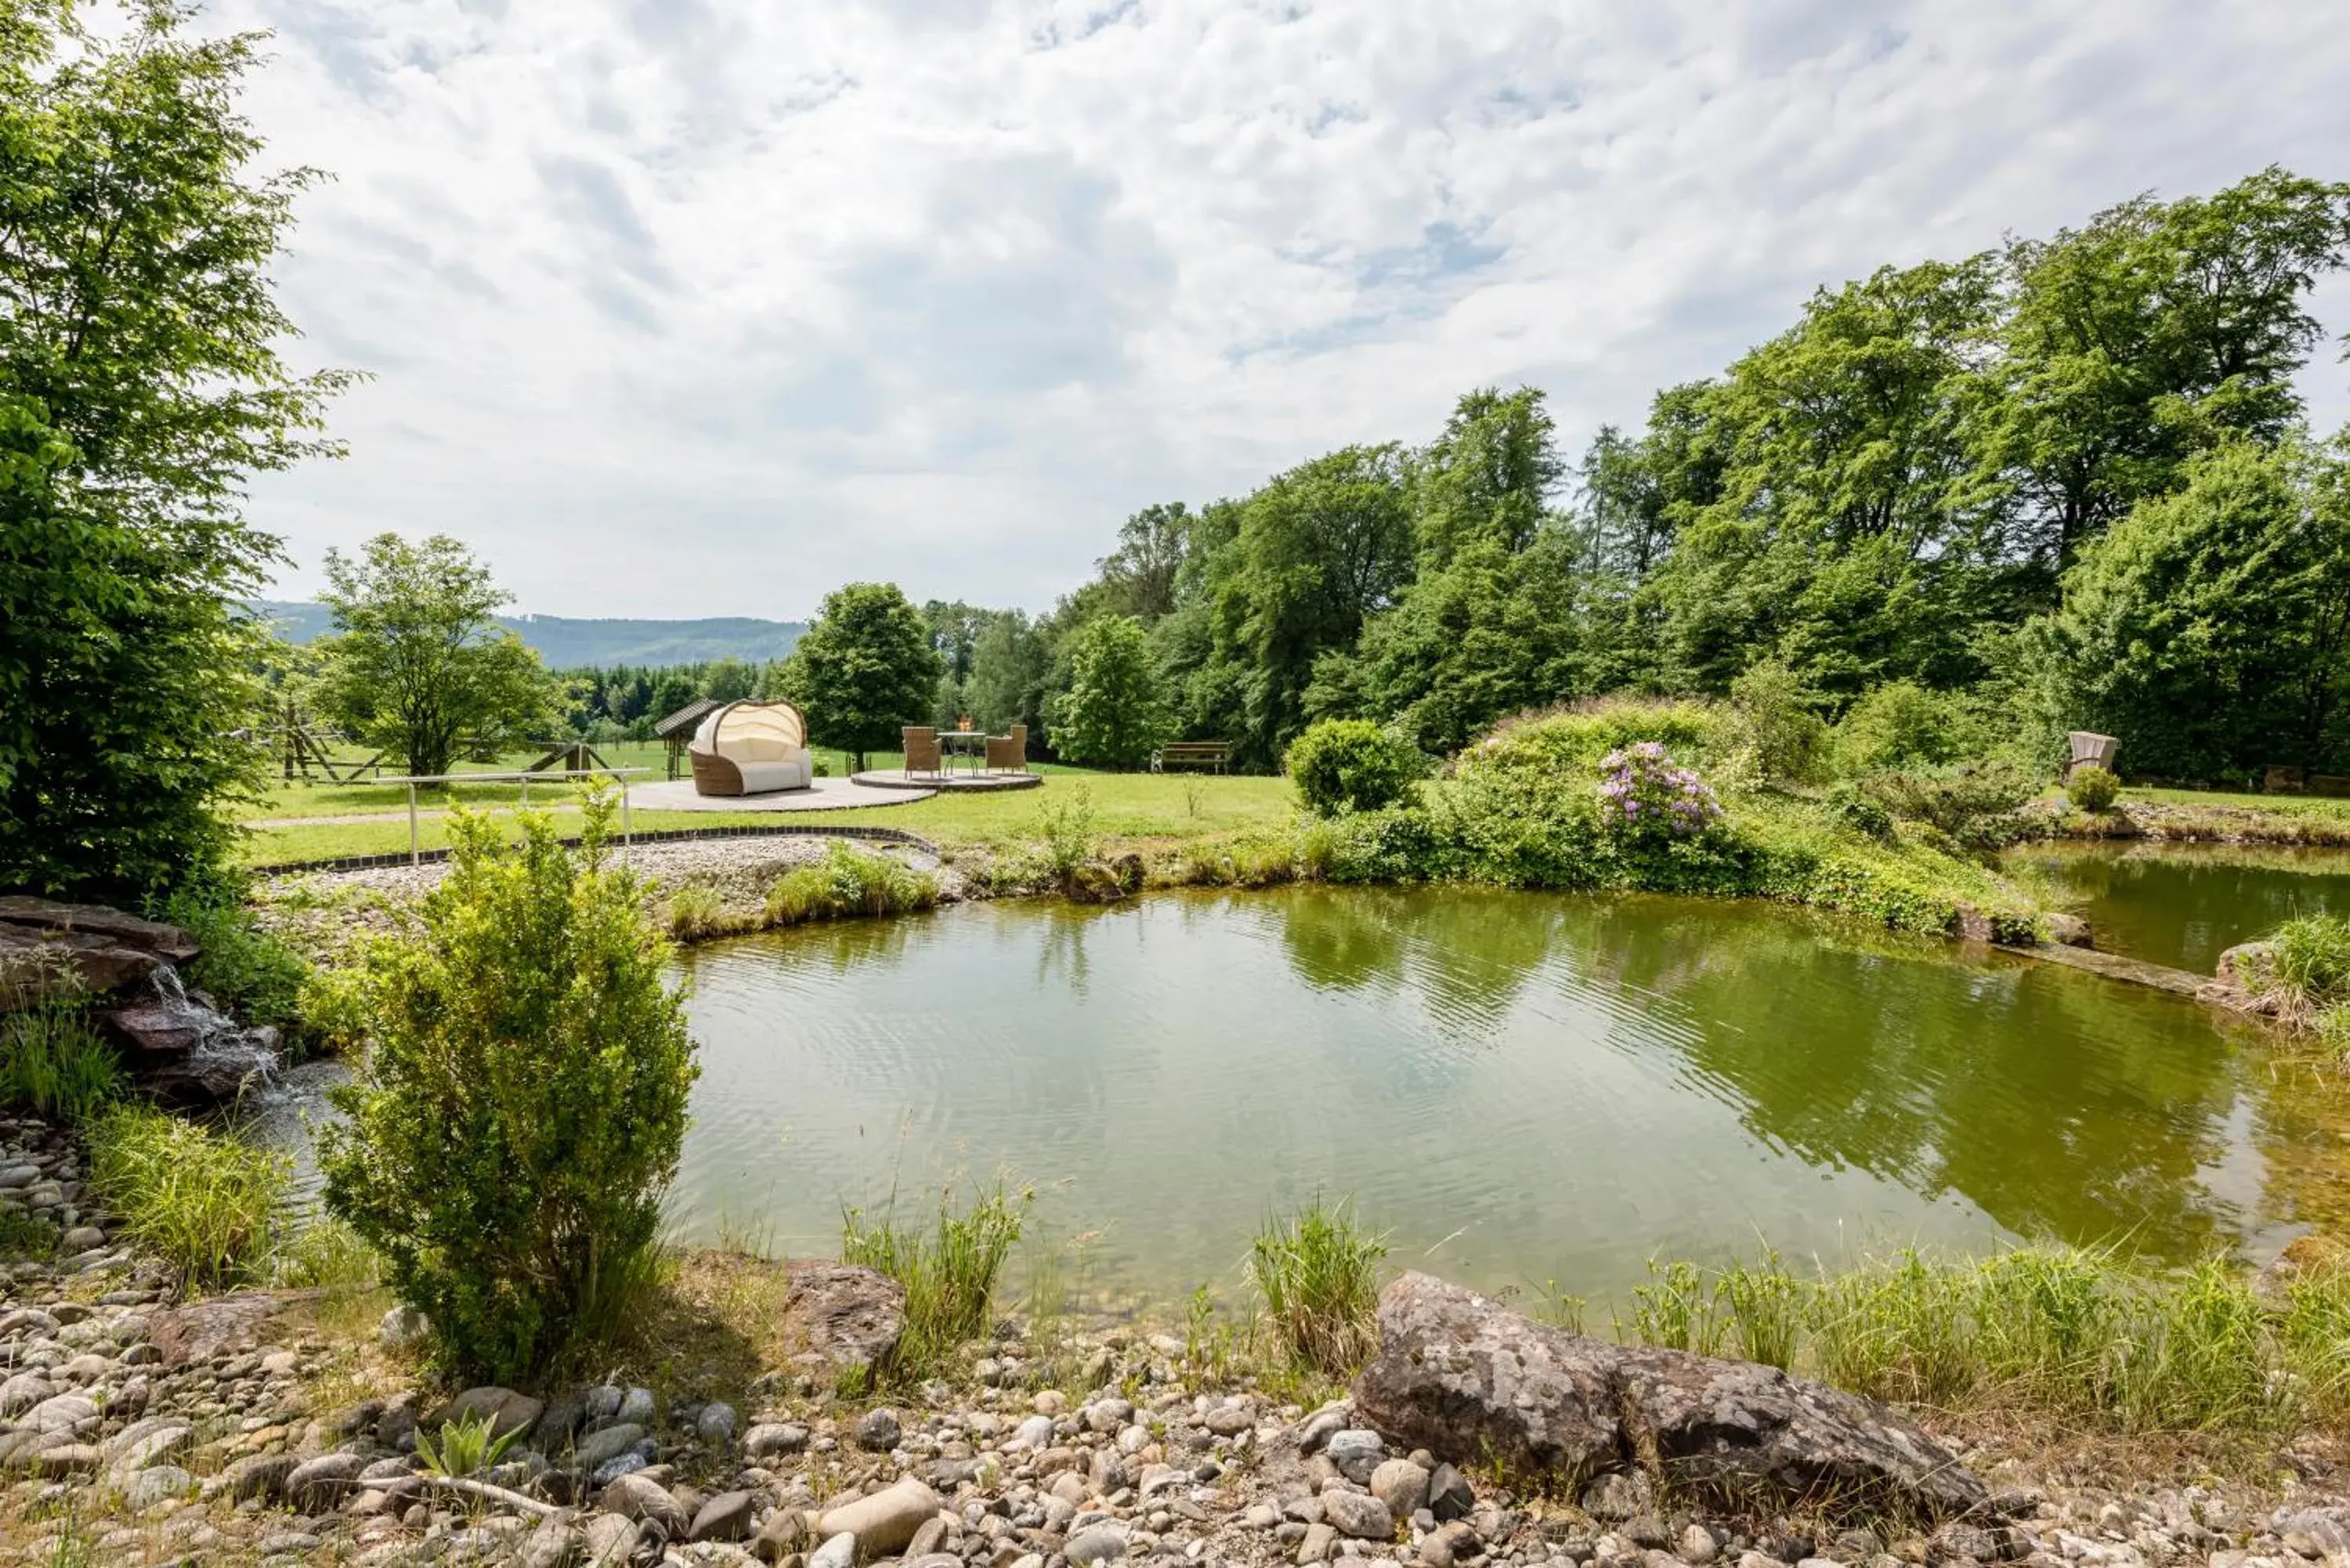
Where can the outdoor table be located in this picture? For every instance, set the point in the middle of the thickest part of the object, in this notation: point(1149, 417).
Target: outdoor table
point(971, 743)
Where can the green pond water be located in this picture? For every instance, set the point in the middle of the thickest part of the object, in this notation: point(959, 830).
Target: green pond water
point(2184, 904)
point(1520, 1087)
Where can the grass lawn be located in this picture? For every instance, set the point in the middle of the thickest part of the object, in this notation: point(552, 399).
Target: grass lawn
point(1127, 808)
point(2310, 808)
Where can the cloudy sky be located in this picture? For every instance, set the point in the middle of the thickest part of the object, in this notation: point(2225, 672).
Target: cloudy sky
point(681, 308)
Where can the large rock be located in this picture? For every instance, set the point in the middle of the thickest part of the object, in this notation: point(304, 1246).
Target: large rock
point(2245, 979)
point(506, 1411)
point(884, 1522)
point(317, 1486)
point(648, 1502)
point(38, 966)
point(169, 941)
point(224, 1325)
point(162, 1028)
point(1459, 1374)
point(841, 1318)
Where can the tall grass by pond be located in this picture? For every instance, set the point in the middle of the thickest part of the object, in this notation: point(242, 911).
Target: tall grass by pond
point(846, 883)
point(949, 1266)
point(2305, 978)
point(205, 1203)
point(1317, 1271)
point(2076, 1335)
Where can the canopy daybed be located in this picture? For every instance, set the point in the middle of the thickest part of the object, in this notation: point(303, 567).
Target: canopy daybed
point(751, 748)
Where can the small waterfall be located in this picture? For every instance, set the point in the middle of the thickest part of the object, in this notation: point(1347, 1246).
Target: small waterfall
point(225, 1059)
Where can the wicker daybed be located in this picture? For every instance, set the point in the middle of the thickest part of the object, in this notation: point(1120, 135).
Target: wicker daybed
point(751, 748)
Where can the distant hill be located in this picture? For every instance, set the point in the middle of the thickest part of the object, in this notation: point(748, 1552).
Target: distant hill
point(566, 642)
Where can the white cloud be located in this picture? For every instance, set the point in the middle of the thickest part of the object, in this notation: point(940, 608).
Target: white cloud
point(680, 307)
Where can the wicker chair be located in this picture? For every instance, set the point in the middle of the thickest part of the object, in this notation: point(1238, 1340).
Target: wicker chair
point(1009, 752)
point(922, 743)
point(750, 748)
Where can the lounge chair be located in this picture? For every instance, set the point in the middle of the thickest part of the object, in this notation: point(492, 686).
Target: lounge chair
point(751, 748)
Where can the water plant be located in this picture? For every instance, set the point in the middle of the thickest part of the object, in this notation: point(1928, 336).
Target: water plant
point(1065, 825)
point(205, 1202)
point(696, 911)
point(949, 1267)
point(1318, 1272)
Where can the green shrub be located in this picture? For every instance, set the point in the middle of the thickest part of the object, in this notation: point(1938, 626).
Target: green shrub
point(1958, 800)
point(204, 1202)
point(950, 1274)
point(244, 969)
point(1065, 825)
point(1778, 734)
point(848, 882)
point(54, 1062)
point(1902, 725)
point(1572, 740)
point(1318, 1272)
point(1350, 764)
point(520, 1111)
point(1856, 811)
point(2092, 788)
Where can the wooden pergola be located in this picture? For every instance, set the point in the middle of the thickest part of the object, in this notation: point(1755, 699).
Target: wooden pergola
point(677, 730)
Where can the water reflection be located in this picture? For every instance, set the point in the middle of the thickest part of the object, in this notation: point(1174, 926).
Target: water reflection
point(1522, 1085)
point(2184, 904)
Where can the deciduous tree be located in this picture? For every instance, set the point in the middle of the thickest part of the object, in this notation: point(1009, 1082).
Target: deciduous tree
point(141, 384)
point(1113, 712)
point(864, 670)
point(418, 663)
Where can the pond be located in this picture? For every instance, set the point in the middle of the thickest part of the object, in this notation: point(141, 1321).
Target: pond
point(1520, 1087)
point(2184, 904)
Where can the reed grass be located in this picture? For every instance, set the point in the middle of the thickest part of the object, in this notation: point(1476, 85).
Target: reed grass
point(54, 1062)
point(205, 1203)
point(1246, 863)
point(696, 912)
point(2073, 1333)
point(949, 1268)
point(848, 882)
point(1318, 1273)
point(2308, 976)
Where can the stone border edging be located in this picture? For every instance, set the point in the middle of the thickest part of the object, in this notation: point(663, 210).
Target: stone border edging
point(656, 836)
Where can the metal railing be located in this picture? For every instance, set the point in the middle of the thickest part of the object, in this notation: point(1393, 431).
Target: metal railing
point(415, 844)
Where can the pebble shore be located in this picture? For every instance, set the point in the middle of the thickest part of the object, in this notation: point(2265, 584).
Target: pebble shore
point(139, 1428)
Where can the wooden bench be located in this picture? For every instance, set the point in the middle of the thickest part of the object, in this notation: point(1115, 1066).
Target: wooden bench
point(1190, 754)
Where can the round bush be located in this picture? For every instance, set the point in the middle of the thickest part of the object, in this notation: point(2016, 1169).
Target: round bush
point(2092, 788)
point(1860, 814)
point(1350, 764)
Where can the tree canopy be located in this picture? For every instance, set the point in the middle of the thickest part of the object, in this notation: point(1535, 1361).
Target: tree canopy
point(1114, 712)
point(418, 663)
point(866, 668)
point(141, 385)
